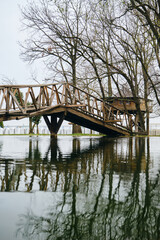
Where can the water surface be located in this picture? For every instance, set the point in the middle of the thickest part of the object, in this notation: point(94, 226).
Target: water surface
point(79, 188)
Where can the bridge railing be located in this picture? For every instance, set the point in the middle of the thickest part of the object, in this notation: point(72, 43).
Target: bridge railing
point(98, 108)
point(22, 100)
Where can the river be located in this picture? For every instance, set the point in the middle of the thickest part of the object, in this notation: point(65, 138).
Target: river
point(86, 188)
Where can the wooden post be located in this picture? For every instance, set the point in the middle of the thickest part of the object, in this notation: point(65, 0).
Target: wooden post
point(54, 125)
point(53, 129)
point(7, 101)
point(53, 147)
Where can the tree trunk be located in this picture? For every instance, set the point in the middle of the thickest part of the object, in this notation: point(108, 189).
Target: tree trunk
point(76, 128)
point(146, 101)
point(30, 126)
point(140, 116)
point(37, 129)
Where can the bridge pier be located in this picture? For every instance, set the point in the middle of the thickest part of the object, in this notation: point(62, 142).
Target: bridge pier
point(54, 124)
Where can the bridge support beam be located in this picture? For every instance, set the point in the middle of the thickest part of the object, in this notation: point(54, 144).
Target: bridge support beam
point(54, 124)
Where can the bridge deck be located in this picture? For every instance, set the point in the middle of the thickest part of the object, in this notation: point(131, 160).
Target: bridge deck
point(66, 102)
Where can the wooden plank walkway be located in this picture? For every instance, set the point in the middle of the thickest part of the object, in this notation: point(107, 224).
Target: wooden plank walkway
point(63, 101)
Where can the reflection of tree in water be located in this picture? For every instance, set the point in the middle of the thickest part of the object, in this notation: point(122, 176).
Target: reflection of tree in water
point(6, 174)
point(15, 172)
point(1, 144)
point(103, 208)
point(24, 175)
point(33, 159)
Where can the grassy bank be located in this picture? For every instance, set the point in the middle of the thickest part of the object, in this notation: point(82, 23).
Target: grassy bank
point(76, 134)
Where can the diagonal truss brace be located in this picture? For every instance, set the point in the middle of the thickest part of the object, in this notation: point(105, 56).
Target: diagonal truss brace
point(54, 125)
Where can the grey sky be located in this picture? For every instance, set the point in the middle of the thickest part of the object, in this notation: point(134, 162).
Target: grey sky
point(11, 65)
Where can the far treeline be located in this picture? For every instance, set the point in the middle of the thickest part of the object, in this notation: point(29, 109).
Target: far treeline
point(107, 47)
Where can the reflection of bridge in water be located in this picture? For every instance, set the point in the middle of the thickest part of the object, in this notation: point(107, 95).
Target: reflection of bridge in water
point(118, 155)
point(64, 102)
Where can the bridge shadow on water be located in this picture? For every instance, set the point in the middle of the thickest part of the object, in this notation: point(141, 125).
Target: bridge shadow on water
point(101, 189)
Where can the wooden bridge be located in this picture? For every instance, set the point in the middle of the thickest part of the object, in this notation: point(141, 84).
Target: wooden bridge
point(63, 101)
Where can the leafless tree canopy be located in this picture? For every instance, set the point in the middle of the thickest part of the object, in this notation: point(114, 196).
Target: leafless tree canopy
point(102, 46)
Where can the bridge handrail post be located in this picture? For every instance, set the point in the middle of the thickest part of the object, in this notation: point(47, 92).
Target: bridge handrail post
point(7, 100)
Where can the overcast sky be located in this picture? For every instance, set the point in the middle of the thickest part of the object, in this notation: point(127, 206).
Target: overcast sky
point(11, 65)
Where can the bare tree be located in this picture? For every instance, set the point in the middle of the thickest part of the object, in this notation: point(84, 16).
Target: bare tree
point(148, 14)
point(110, 50)
point(123, 48)
point(109, 43)
point(54, 29)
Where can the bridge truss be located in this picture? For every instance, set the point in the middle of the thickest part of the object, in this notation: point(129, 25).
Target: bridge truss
point(63, 101)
